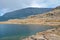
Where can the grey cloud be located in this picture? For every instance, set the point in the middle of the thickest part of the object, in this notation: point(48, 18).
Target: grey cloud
point(14, 4)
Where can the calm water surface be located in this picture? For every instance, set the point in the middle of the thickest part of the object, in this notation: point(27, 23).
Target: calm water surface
point(16, 32)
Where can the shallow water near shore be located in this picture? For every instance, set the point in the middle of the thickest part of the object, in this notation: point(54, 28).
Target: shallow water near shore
point(17, 32)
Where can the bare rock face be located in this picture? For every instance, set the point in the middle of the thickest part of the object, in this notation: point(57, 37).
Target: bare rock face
point(53, 34)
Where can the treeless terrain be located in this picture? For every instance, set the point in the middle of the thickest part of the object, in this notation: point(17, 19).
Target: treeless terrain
point(49, 18)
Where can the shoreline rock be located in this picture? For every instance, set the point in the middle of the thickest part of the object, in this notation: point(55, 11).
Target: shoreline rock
point(53, 34)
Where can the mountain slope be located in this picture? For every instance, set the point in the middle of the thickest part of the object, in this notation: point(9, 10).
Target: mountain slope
point(49, 18)
point(52, 14)
point(24, 13)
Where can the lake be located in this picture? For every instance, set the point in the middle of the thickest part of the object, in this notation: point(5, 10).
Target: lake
point(16, 32)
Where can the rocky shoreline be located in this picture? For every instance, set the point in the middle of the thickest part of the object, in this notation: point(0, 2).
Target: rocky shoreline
point(52, 34)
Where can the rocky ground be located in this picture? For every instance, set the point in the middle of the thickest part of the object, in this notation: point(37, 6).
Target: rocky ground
point(53, 34)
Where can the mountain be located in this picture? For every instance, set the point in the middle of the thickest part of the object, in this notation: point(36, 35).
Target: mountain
point(57, 7)
point(51, 14)
point(48, 18)
point(23, 13)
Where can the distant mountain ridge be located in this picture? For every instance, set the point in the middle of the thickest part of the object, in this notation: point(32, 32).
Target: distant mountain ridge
point(57, 7)
point(24, 13)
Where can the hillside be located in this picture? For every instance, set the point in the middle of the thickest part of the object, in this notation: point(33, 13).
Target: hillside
point(48, 18)
point(23, 13)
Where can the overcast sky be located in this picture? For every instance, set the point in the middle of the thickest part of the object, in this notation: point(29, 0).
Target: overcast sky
point(9, 5)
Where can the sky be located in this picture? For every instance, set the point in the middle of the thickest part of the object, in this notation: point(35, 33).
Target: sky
point(11, 5)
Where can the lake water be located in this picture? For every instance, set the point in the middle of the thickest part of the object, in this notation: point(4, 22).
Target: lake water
point(16, 32)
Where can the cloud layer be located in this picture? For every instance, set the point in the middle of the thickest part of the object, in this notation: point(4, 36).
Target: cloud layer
point(46, 3)
point(19, 4)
